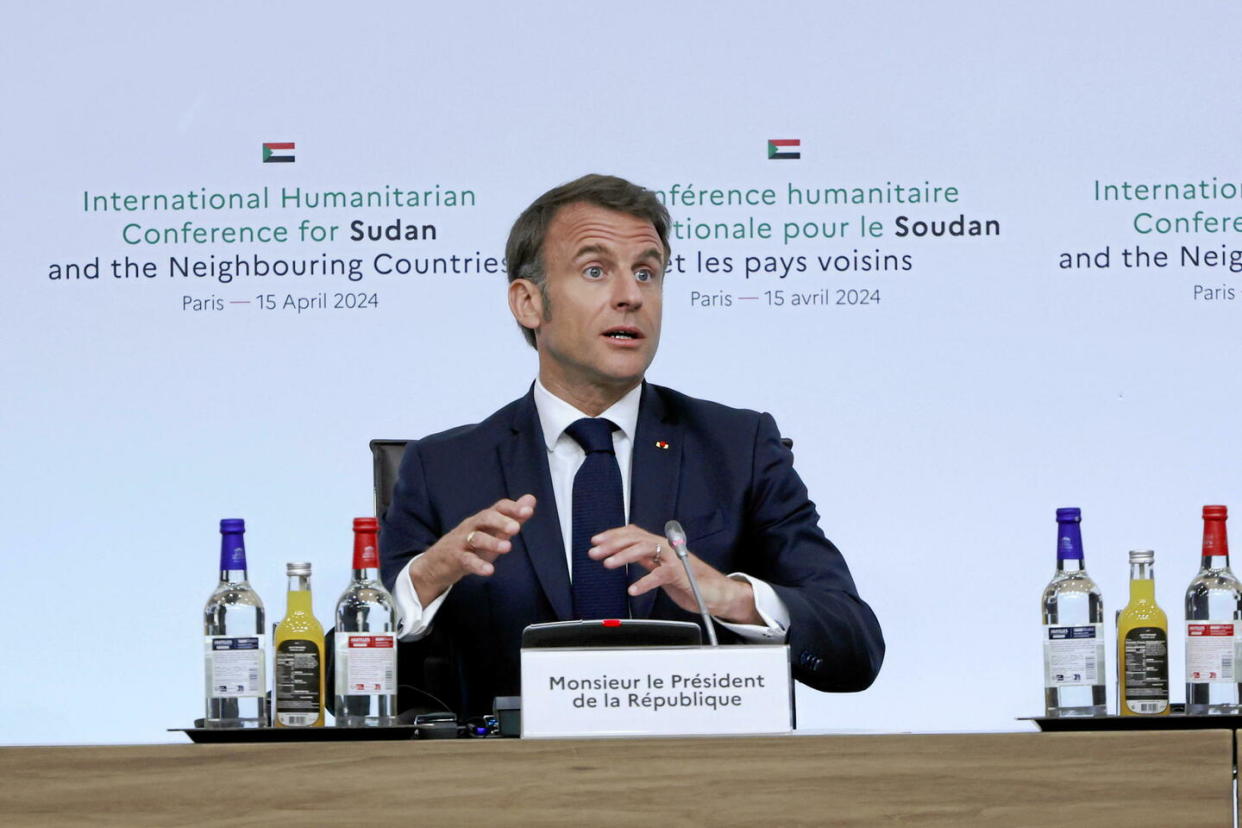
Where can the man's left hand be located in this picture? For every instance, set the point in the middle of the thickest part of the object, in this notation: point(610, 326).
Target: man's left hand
point(726, 598)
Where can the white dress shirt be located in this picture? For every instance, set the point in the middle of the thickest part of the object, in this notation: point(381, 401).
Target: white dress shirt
point(565, 457)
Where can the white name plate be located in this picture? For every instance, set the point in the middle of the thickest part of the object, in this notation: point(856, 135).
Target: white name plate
point(656, 691)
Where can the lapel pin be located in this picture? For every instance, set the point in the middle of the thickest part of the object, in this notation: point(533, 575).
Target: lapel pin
point(660, 444)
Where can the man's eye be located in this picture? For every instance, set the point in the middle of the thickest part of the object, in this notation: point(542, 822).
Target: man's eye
point(594, 272)
point(644, 275)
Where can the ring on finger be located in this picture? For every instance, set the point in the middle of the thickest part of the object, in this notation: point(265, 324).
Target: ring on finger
point(470, 541)
point(659, 554)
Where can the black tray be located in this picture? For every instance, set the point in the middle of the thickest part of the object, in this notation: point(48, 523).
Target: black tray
point(215, 735)
point(1173, 721)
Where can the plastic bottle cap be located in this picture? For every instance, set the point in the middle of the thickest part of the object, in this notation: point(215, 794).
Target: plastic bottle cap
point(366, 524)
point(1068, 514)
point(232, 525)
point(1216, 512)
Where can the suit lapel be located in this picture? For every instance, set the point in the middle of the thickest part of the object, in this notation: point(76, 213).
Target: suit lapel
point(524, 461)
point(654, 471)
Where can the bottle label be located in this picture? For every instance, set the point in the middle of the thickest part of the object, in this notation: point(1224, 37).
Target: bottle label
point(368, 663)
point(297, 683)
point(1146, 687)
point(1073, 656)
point(235, 665)
point(1210, 651)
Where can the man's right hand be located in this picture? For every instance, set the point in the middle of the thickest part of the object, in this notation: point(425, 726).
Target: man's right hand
point(470, 548)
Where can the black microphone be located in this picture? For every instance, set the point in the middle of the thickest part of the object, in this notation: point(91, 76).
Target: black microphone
point(676, 537)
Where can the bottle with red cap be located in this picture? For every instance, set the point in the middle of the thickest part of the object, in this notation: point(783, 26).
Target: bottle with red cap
point(1213, 624)
point(366, 639)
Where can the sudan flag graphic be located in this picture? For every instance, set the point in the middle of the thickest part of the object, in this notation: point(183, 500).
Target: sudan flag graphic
point(271, 157)
point(775, 153)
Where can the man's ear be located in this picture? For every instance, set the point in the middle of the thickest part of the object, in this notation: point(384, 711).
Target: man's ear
point(526, 303)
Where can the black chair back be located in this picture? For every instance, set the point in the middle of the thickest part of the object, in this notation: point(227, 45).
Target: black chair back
point(385, 462)
point(423, 667)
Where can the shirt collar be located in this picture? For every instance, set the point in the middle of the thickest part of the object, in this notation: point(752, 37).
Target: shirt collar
point(555, 415)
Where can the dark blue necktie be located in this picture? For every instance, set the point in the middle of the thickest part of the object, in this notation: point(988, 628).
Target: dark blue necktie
point(598, 505)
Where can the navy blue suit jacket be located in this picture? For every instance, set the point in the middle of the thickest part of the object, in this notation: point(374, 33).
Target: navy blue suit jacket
point(724, 475)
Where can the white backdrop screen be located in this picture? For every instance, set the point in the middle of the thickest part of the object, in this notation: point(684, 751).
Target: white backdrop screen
point(1000, 277)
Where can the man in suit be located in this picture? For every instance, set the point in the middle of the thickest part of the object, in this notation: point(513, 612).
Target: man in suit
point(553, 507)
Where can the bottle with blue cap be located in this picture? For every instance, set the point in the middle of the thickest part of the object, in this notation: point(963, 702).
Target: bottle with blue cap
point(235, 639)
point(1073, 630)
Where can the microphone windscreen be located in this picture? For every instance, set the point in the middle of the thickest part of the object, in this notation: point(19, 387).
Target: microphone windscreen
point(676, 537)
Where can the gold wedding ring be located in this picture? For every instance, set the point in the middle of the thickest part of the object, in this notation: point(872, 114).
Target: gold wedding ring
point(470, 541)
point(659, 555)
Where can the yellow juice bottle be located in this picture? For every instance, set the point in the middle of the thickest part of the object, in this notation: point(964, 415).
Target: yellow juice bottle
point(1143, 644)
point(299, 656)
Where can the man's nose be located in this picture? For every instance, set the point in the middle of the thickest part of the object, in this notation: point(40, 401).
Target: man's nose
point(626, 293)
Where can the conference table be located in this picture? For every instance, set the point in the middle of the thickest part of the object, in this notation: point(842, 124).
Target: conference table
point(1144, 778)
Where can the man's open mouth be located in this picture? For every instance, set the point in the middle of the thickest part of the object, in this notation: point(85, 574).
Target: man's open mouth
point(623, 333)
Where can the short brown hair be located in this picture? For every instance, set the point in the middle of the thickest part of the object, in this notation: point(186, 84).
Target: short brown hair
point(524, 250)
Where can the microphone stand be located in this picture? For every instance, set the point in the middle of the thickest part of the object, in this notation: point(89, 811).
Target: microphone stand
point(676, 538)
